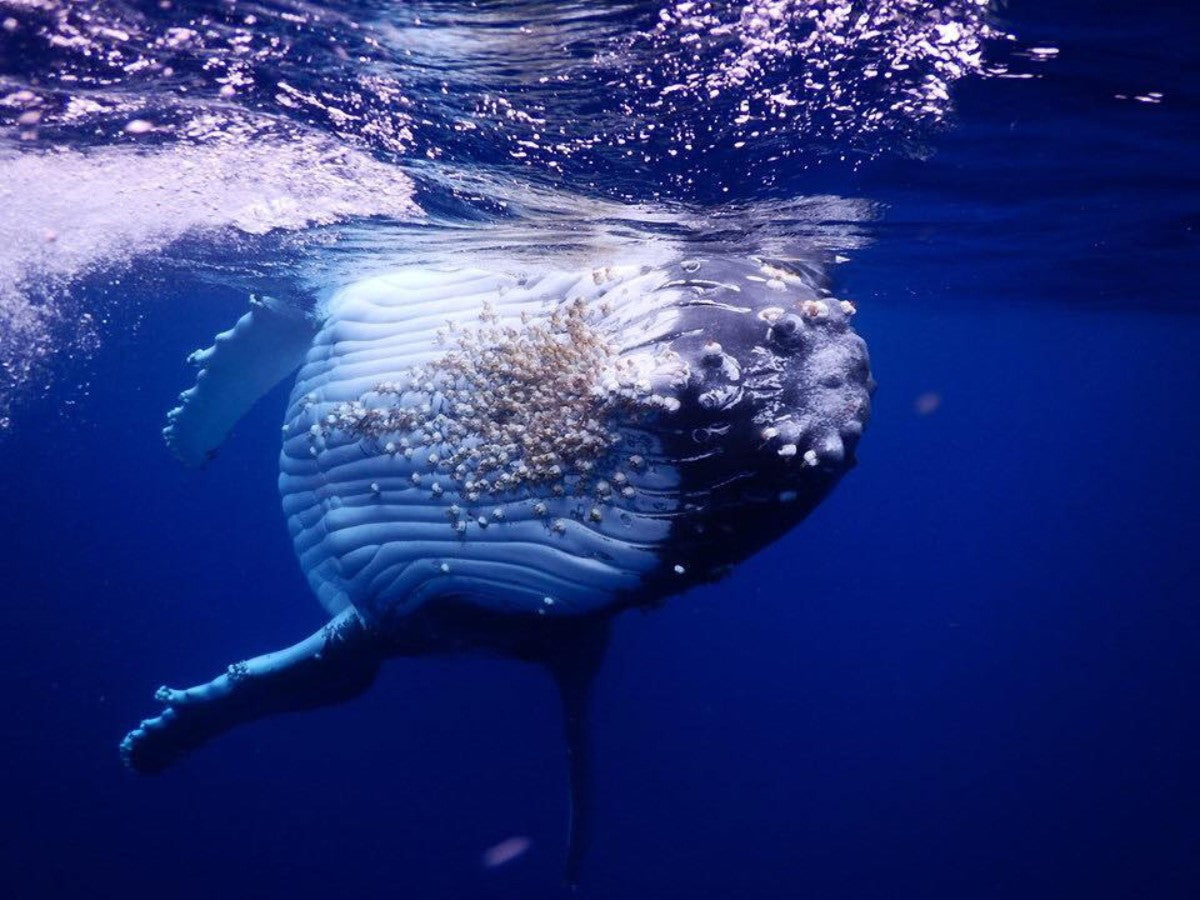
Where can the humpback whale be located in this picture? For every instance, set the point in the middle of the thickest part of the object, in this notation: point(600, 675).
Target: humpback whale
point(500, 462)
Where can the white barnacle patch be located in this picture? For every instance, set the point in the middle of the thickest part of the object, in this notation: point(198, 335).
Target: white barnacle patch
point(815, 309)
point(507, 408)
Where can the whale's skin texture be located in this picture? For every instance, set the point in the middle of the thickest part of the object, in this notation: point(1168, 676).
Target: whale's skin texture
point(479, 460)
point(758, 392)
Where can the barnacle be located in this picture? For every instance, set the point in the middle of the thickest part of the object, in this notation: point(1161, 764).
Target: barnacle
point(505, 408)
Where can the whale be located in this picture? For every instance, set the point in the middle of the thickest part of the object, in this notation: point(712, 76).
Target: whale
point(481, 460)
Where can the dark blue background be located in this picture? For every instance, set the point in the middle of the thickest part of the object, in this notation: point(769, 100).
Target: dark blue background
point(973, 672)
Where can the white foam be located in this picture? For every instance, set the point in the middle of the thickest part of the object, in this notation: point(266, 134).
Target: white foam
point(71, 213)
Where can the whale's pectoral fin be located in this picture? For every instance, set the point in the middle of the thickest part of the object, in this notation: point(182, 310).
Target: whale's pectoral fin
point(243, 363)
point(335, 664)
point(573, 657)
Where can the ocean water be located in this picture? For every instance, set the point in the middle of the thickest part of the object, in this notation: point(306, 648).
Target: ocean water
point(972, 672)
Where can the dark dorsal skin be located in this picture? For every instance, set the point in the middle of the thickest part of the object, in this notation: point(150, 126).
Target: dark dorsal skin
point(723, 399)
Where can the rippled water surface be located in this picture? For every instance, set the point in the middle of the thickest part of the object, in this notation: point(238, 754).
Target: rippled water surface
point(971, 673)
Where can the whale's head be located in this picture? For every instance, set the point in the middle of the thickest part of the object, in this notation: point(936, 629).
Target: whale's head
point(775, 395)
point(567, 442)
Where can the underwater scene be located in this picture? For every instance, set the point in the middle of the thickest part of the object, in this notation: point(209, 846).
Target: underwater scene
point(647, 449)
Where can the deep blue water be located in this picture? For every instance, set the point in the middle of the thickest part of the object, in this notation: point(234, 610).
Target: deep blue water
point(971, 673)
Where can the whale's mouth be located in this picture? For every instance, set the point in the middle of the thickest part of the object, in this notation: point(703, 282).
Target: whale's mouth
point(571, 441)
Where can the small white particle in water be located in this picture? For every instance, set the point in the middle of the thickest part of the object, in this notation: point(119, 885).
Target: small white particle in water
point(927, 403)
point(505, 851)
point(679, 570)
point(138, 126)
point(810, 457)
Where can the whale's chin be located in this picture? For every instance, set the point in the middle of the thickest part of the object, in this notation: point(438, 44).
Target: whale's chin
point(566, 444)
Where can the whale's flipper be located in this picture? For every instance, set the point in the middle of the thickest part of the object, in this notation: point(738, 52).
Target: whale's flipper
point(573, 658)
point(243, 363)
point(335, 664)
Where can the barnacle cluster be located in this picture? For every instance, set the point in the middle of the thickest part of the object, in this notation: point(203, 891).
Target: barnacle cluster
point(510, 406)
